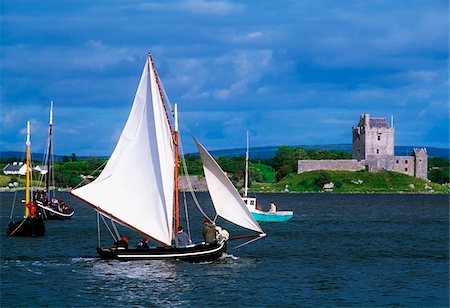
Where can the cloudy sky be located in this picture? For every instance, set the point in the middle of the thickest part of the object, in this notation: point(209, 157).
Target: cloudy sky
point(294, 72)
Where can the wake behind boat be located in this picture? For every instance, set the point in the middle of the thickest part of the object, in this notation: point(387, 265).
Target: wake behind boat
point(148, 201)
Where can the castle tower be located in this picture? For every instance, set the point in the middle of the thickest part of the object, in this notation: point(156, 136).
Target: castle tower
point(373, 141)
point(421, 163)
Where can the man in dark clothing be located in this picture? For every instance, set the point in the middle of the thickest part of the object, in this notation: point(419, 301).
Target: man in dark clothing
point(209, 232)
point(123, 242)
point(143, 244)
point(181, 238)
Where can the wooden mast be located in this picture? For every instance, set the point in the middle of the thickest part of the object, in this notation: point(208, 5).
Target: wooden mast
point(175, 143)
point(175, 137)
point(27, 174)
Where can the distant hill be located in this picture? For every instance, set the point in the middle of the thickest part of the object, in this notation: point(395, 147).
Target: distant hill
point(269, 152)
point(34, 156)
point(265, 152)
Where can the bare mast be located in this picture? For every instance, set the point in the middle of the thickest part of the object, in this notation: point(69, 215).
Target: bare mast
point(246, 170)
point(49, 149)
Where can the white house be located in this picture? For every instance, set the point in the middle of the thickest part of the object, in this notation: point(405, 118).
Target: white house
point(15, 168)
point(42, 169)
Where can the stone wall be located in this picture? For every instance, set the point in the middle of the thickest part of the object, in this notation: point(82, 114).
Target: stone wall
point(404, 164)
point(198, 183)
point(339, 164)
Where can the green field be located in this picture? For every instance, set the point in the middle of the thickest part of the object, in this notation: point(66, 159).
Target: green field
point(352, 182)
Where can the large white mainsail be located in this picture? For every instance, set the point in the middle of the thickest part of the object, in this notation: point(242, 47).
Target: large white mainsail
point(227, 201)
point(136, 186)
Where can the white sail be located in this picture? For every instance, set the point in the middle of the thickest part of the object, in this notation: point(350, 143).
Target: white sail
point(227, 201)
point(137, 185)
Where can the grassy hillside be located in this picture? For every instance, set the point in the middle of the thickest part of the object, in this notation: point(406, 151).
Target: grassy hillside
point(352, 182)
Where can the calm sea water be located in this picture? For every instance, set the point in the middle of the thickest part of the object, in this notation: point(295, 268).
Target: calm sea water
point(338, 250)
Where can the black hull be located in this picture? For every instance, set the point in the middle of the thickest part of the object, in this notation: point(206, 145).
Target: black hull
point(196, 253)
point(28, 227)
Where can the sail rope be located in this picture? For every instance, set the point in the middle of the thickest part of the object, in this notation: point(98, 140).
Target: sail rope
point(12, 208)
point(187, 215)
point(18, 227)
point(101, 166)
point(98, 228)
point(107, 227)
point(115, 228)
point(188, 181)
point(246, 243)
point(15, 192)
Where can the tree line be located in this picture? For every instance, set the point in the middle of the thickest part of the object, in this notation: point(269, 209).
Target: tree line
point(70, 171)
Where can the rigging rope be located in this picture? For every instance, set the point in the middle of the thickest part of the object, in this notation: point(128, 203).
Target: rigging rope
point(107, 227)
point(15, 193)
point(115, 228)
point(11, 234)
point(102, 165)
point(194, 197)
point(187, 216)
point(98, 228)
point(246, 243)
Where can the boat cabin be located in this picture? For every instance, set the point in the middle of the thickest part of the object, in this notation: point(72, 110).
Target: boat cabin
point(250, 202)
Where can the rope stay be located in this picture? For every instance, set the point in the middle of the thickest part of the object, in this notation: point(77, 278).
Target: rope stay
point(107, 227)
point(18, 227)
point(246, 243)
point(115, 228)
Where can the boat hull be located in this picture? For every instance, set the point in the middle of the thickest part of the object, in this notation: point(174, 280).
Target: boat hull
point(281, 216)
point(194, 253)
point(54, 214)
point(28, 227)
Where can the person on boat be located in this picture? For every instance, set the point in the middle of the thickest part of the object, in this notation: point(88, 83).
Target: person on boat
point(273, 207)
point(181, 238)
point(209, 232)
point(46, 194)
point(143, 244)
point(32, 207)
point(63, 207)
point(123, 242)
point(259, 207)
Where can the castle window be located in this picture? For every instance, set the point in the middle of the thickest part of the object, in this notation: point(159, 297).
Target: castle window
point(397, 161)
point(406, 162)
point(378, 151)
point(379, 138)
point(406, 169)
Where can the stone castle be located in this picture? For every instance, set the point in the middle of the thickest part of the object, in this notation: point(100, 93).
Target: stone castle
point(373, 150)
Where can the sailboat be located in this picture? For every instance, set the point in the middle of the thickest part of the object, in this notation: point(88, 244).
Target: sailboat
point(32, 224)
point(272, 215)
point(138, 187)
point(52, 207)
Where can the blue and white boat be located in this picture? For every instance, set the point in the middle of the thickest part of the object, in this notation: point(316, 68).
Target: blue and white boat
point(270, 216)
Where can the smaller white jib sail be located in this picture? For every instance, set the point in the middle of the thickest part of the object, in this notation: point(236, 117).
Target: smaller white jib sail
point(227, 201)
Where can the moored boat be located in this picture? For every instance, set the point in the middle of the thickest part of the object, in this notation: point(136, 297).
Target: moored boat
point(32, 224)
point(270, 216)
point(53, 208)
